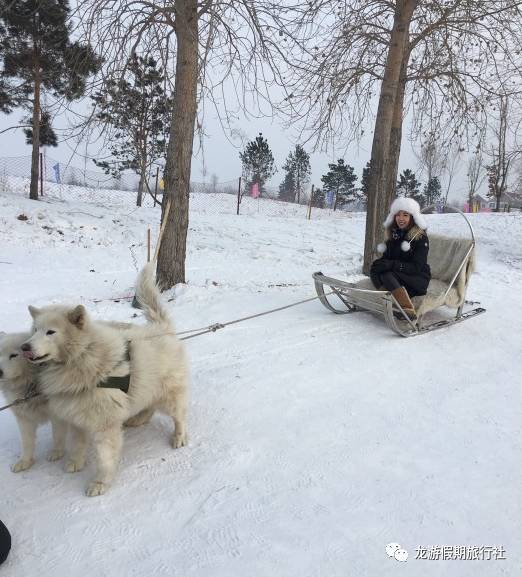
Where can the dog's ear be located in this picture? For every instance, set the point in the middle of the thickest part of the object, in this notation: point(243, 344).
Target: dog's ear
point(77, 316)
point(33, 311)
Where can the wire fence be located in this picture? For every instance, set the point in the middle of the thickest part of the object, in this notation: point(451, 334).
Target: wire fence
point(62, 181)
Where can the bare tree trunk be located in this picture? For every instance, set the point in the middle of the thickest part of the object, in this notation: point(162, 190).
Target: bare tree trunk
point(139, 198)
point(392, 167)
point(143, 176)
point(379, 197)
point(35, 155)
point(171, 257)
point(502, 165)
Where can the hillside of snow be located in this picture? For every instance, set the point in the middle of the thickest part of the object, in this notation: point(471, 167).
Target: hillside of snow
point(314, 439)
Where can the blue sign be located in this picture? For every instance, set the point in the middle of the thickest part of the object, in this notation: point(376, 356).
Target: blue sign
point(330, 197)
point(56, 169)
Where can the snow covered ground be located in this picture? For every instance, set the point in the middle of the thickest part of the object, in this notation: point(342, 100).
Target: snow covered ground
point(315, 440)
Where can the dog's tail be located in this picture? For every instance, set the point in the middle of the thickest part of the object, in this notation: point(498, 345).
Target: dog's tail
point(149, 296)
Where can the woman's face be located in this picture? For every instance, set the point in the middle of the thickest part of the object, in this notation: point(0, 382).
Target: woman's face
point(403, 219)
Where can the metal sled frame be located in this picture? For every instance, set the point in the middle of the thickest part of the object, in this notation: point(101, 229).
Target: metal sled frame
point(384, 303)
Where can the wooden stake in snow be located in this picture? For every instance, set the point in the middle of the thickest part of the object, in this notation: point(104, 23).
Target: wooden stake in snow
point(135, 303)
point(162, 230)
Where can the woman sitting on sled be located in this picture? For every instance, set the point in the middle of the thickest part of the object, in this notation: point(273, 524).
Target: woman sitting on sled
point(403, 268)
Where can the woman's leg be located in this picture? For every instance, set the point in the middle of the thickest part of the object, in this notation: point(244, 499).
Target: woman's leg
point(390, 281)
point(376, 279)
point(414, 284)
point(393, 283)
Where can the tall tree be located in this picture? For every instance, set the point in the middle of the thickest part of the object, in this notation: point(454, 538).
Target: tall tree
point(365, 183)
point(441, 61)
point(173, 249)
point(340, 180)
point(409, 186)
point(501, 153)
point(138, 109)
point(432, 156)
point(451, 167)
point(258, 162)
point(475, 174)
point(287, 188)
point(318, 198)
point(432, 192)
point(39, 57)
point(298, 170)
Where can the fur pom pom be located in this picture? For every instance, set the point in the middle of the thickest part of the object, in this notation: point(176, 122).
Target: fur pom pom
point(381, 247)
point(405, 246)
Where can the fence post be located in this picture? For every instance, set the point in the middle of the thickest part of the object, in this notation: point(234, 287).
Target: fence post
point(156, 187)
point(148, 245)
point(41, 174)
point(238, 195)
point(310, 204)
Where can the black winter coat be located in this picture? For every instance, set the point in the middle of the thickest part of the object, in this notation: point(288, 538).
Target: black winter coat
point(411, 267)
point(5, 542)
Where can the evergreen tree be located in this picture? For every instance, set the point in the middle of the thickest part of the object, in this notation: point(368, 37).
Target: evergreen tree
point(139, 112)
point(47, 134)
point(365, 183)
point(409, 186)
point(318, 198)
point(287, 188)
point(298, 170)
point(39, 57)
point(432, 192)
point(5, 100)
point(258, 162)
point(340, 180)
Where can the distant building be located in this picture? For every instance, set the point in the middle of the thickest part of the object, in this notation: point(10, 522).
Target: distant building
point(508, 201)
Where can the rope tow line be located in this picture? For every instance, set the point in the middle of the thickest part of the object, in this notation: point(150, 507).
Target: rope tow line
point(31, 393)
point(215, 327)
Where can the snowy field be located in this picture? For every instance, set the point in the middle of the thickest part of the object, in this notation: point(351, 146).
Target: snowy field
point(315, 439)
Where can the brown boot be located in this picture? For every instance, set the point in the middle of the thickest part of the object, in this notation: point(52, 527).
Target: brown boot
point(403, 298)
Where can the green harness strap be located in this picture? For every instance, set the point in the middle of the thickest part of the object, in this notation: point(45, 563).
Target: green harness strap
point(121, 383)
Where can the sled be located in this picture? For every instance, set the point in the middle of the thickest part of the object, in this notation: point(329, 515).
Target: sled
point(452, 262)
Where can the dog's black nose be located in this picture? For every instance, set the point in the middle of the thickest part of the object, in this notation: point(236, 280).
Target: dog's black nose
point(1, 374)
point(26, 347)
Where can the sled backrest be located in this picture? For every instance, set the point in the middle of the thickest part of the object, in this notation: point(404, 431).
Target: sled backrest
point(446, 256)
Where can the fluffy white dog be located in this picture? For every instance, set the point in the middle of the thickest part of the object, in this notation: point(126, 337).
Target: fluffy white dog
point(80, 358)
point(17, 378)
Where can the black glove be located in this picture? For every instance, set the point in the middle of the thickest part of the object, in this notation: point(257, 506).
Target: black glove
point(382, 265)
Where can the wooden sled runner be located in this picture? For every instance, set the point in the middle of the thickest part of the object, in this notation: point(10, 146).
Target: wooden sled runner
point(451, 261)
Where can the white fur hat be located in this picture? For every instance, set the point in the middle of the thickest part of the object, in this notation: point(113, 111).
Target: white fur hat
point(407, 205)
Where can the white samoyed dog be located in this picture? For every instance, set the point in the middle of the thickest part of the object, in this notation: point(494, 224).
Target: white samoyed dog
point(80, 357)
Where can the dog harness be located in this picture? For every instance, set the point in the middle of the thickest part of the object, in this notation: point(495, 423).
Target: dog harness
point(121, 383)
